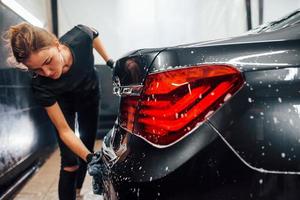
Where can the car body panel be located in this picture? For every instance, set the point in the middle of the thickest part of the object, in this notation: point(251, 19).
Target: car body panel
point(264, 128)
point(271, 76)
point(133, 68)
point(135, 165)
point(247, 149)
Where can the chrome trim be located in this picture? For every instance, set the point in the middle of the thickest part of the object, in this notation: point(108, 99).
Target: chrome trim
point(132, 90)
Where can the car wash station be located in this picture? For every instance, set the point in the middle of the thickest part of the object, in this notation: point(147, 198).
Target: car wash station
point(149, 100)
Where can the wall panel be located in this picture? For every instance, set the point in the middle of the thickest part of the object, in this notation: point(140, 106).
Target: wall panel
point(26, 134)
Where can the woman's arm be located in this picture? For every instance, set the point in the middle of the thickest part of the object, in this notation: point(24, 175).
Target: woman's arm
point(98, 45)
point(66, 134)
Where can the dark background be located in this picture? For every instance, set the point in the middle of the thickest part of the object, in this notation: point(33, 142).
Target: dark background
point(27, 137)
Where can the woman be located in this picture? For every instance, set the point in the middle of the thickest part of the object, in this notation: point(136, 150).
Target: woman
point(66, 85)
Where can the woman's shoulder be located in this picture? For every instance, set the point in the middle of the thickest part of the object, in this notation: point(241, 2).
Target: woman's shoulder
point(79, 30)
point(92, 32)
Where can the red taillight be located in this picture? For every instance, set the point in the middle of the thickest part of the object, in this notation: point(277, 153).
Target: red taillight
point(174, 102)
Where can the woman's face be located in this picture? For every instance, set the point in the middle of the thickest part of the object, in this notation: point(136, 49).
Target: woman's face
point(48, 62)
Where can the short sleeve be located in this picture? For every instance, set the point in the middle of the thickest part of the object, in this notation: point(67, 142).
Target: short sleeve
point(43, 95)
point(93, 33)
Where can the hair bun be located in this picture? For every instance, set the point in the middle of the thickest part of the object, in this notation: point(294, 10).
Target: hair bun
point(25, 38)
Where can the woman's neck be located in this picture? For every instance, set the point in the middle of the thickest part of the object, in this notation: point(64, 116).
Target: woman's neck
point(68, 58)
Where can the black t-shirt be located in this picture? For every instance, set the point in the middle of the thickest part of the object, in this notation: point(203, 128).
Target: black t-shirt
point(81, 78)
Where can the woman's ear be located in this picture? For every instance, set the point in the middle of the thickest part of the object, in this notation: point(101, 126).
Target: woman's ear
point(57, 44)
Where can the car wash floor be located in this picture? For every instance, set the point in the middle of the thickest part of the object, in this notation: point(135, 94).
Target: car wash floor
point(43, 184)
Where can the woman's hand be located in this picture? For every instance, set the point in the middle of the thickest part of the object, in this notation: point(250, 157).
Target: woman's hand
point(110, 63)
point(95, 169)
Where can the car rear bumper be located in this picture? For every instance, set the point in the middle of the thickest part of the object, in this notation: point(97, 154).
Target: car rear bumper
point(191, 169)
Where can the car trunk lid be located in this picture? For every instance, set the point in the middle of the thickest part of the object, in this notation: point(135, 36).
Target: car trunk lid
point(132, 69)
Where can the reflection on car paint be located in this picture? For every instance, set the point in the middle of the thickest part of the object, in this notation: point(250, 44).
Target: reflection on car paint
point(242, 60)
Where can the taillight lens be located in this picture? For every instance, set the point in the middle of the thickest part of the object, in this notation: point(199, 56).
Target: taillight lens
point(175, 102)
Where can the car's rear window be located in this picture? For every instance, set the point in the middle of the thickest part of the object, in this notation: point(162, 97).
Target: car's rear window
point(285, 22)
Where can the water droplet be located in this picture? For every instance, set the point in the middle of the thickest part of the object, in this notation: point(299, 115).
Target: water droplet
point(192, 52)
point(279, 100)
point(251, 117)
point(138, 192)
point(261, 113)
point(200, 96)
point(150, 179)
point(250, 100)
point(227, 97)
point(282, 155)
point(261, 181)
point(167, 168)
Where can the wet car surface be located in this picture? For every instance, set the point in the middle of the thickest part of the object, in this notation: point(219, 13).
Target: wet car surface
point(210, 120)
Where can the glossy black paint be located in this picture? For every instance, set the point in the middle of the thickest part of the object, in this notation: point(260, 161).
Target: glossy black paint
point(248, 149)
point(133, 68)
point(262, 122)
point(139, 168)
point(26, 134)
point(214, 173)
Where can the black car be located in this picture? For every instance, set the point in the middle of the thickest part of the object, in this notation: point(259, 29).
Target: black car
point(210, 120)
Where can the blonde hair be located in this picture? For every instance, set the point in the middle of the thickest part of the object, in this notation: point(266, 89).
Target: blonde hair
point(24, 38)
